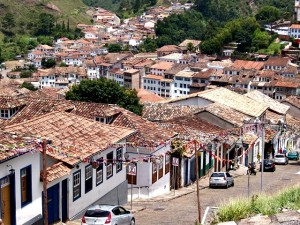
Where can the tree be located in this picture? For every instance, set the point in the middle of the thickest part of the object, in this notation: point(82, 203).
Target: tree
point(149, 45)
point(114, 48)
point(268, 15)
point(29, 86)
point(8, 21)
point(48, 63)
point(261, 39)
point(46, 24)
point(105, 91)
point(190, 47)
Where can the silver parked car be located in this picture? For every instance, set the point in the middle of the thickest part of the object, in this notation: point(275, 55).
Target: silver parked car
point(281, 159)
point(108, 215)
point(223, 179)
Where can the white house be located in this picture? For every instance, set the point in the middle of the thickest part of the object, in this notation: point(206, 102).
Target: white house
point(82, 168)
point(294, 31)
point(20, 187)
point(60, 77)
point(182, 82)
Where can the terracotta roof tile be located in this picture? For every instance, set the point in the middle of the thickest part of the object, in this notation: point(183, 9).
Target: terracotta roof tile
point(226, 113)
point(75, 136)
point(162, 111)
point(162, 65)
point(12, 145)
point(277, 61)
point(246, 64)
point(10, 102)
point(33, 108)
point(236, 101)
point(147, 96)
point(56, 171)
point(293, 100)
point(168, 48)
point(273, 104)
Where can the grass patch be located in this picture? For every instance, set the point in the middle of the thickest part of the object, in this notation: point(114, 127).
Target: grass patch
point(240, 208)
point(273, 49)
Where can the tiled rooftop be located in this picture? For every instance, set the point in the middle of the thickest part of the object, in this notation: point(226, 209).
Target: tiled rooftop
point(74, 136)
point(164, 111)
point(37, 107)
point(148, 96)
point(226, 113)
point(236, 101)
point(273, 104)
point(246, 64)
point(12, 145)
point(56, 171)
point(293, 100)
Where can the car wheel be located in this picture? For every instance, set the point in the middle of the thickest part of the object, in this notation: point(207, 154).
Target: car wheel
point(227, 185)
point(132, 222)
point(232, 184)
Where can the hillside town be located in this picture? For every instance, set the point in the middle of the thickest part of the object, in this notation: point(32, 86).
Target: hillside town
point(210, 112)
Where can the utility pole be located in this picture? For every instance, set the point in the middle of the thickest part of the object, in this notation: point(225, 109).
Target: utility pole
point(262, 157)
point(45, 198)
point(197, 182)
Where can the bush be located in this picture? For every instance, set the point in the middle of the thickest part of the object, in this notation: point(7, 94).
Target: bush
point(240, 208)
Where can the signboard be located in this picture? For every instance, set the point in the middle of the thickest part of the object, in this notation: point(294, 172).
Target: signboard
point(175, 161)
point(131, 169)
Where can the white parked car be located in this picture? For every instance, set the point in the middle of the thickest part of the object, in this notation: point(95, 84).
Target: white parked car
point(281, 159)
point(108, 215)
point(223, 179)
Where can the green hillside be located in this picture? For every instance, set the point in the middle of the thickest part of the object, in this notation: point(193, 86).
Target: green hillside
point(25, 13)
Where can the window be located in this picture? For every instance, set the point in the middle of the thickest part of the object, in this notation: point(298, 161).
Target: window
point(119, 159)
point(4, 113)
point(99, 173)
point(76, 185)
point(26, 191)
point(167, 163)
point(161, 168)
point(88, 178)
point(154, 172)
point(109, 167)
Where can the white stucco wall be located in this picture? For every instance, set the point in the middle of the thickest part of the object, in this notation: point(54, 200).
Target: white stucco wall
point(97, 192)
point(23, 214)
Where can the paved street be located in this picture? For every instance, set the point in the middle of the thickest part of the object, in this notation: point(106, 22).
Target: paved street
point(183, 210)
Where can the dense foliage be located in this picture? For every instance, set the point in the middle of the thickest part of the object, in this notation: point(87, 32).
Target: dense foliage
point(178, 27)
point(105, 91)
point(124, 8)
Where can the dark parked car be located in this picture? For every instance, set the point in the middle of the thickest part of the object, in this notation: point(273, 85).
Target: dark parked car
point(293, 155)
point(269, 165)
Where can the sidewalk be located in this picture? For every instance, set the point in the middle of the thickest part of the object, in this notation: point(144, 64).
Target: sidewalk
point(203, 184)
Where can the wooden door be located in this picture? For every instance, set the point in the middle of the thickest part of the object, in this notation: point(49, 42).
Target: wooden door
point(5, 197)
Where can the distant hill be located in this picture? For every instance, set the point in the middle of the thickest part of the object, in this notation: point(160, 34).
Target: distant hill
point(26, 12)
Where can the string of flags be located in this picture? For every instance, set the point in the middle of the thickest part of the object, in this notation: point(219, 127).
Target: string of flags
point(22, 149)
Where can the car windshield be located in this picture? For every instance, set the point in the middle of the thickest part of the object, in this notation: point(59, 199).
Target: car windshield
point(292, 153)
point(279, 156)
point(96, 213)
point(268, 161)
point(217, 175)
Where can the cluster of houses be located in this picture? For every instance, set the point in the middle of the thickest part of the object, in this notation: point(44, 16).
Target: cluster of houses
point(173, 71)
point(90, 147)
